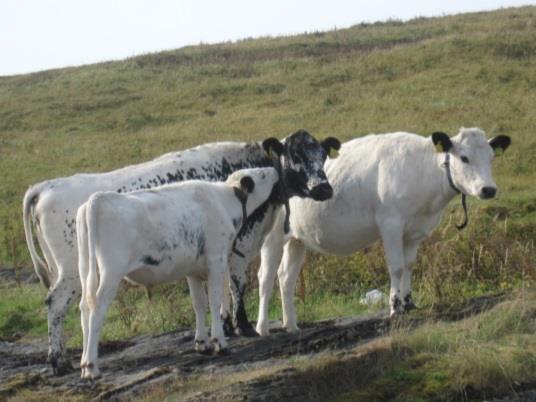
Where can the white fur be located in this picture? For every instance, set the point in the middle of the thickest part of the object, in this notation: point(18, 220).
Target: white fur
point(391, 187)
point(155, 236)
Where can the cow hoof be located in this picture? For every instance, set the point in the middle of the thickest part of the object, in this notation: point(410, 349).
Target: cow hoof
point(60, 365)
point(228, 328)
point(90, 373)
point(263, 330)
point(247, 331)
point(202, 347)
point(408, 304)
point(292, 329)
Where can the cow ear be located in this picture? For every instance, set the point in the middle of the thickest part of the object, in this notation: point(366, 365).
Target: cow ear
point(247, 184)
point(499, 143)
point(273, 146)
point(441, 141)
point(331, 145)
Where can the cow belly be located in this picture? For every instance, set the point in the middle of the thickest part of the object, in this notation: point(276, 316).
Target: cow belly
point(165, 272)
point(340, 240)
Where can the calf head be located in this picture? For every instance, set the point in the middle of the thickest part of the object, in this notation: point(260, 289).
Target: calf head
point(470, 161)
point(302, 158)
point(255, 184)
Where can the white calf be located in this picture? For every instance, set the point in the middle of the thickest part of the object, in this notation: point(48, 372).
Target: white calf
point(392, 187)
point(155, 236)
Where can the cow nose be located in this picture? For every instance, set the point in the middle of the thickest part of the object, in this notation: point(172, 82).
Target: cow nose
point(322, 192)
point(488, 192)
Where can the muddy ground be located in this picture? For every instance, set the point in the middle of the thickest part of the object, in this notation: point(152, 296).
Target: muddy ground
point(131, 366)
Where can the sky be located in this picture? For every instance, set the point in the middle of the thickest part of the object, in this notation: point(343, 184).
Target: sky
point(42, 34)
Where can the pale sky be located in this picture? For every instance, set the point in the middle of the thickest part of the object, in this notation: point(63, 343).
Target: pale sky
point(42, 34)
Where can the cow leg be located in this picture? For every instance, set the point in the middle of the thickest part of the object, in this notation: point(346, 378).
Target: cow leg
point(108, 285)
point(216, 273)
point(293, 256)
point(271, 254)
point(238, 289)
point(392, 236)
point(410, 255)
point(58, 301)
point(199, 302)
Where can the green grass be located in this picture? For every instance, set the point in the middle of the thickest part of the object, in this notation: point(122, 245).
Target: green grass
point(490, 354)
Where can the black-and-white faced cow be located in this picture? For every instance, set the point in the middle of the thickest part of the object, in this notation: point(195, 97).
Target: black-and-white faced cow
point(161, 235)
point(51, 206)
point(392, 187)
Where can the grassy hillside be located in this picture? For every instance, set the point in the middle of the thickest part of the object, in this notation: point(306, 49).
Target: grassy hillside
point(424, 75)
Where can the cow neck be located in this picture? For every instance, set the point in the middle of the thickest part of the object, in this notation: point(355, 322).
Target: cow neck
point(282, 195)
point(446, 165)
point(243, 198)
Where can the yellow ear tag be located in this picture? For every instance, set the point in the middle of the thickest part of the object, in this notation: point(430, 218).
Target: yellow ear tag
point(439, 147)
point(498, 151)
point(333, 153)
point(270, 153)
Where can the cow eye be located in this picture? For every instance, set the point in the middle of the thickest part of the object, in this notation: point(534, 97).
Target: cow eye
point(465, 159)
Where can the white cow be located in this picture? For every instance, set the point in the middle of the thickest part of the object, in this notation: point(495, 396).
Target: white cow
point(51, 206)
point(392, 187)
point(161, 235)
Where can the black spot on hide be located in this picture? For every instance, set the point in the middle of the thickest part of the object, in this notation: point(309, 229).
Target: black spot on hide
point(148, 260)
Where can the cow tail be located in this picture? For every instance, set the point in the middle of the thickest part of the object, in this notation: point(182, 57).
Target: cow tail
point(41, 269)
point(92, 282)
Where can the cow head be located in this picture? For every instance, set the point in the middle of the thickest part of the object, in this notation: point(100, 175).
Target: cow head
point(255, 184)
point(470, 161)
point(302, 158)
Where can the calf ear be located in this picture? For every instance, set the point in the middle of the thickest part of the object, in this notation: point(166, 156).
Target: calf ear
point(499, 143)
point(273, 145)
point(247, 184)
point(331, 145)
point(441, 141)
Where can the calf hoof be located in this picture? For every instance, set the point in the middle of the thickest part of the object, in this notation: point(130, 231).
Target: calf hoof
point(60, 365)
point(220, 348)
point(202, 347)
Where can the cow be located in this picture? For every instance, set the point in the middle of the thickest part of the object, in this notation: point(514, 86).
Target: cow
point(392, 187)
point(51, 206)
point(161, 235)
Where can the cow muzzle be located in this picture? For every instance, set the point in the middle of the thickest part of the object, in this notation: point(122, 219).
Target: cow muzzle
point(321, 192)
point(487, 192)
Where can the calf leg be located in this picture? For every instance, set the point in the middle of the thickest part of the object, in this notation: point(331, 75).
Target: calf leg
point(97, 311)
point(225, 312)
point(392, 235)
point(199, 301)
point(58, 301)
point(293, 256)
point(271, 254)
point(216, 272)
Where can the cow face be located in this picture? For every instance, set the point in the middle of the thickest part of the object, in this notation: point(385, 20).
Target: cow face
point(471, 159)
point(256, 183)
point(302, 160)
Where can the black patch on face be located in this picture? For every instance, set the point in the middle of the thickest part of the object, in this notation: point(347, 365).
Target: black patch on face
point(300, 160)
point(149, 260)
